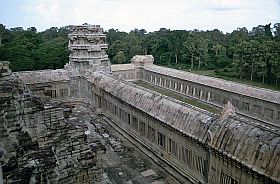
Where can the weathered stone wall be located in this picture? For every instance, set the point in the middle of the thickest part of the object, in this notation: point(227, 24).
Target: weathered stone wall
point(257, 104)
point(133, 71)
point(217, 150)
point(260, 105)
point(124, 71)
point(47, 83)
point(40, 145)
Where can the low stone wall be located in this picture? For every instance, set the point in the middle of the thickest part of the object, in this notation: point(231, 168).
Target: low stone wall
point(46, 83)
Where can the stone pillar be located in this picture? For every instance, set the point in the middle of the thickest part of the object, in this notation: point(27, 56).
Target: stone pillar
point(200, 94)
point(208, 96)
point(181, 88)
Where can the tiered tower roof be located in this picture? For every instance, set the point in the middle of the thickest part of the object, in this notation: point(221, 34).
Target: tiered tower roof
point(88, 48)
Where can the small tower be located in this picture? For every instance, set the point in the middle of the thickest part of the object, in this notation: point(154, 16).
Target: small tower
point(88, 49)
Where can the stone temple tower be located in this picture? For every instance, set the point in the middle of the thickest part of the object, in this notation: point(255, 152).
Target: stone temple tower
point(88, 49)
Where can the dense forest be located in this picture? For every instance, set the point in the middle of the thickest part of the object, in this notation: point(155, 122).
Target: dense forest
point(253, 55)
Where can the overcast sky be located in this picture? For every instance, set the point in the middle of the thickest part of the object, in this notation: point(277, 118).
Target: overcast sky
point(151, 15)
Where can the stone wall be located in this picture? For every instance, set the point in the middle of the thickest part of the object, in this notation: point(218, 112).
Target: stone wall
point(261, 106)
point(40, 144)
point(201, 146)
point(133, 71)
point(46, 83)
point(124, 71)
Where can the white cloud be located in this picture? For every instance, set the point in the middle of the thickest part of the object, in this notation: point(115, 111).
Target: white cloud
point(152, 14)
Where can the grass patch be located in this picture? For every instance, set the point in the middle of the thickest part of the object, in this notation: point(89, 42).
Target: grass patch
point(212, 73)
point(251, 83)
point(187, 100)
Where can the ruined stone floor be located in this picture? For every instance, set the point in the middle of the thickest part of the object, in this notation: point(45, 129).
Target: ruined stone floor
point(123, 162)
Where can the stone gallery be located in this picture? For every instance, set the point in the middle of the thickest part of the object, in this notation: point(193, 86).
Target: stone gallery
point(190, 128)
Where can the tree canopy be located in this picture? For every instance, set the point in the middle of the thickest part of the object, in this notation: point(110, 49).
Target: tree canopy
point(242, 54)
point(32, 50)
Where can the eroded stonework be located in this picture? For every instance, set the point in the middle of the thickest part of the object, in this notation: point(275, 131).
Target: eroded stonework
point(87, 49)
point(41, 145)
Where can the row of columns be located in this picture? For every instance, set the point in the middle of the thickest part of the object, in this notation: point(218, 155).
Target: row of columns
point(163, 82)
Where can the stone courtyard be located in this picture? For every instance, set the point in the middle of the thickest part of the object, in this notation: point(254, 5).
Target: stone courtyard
point(123, 162)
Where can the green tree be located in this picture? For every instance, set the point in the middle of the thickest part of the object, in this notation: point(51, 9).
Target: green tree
point(117, 46)
point(190, 48)
point(276, 28)
point(261, 70)
point(276, 63)
point(276, 69)
point(270, 54)
point(260, 30)
point(219, 59)
point(253, 52)
point(160, 50)
point(237, 36)
point(216, 36)
point(133, 41)
point(176, 39)
point(267, 30)
point(249, 53)
point(50, 34)
point(239, 63)
point(20, 58)
point(202, 49)
point(2, 32)
point(197, 48)
point(119, 58)
point(51, 54)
